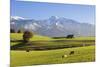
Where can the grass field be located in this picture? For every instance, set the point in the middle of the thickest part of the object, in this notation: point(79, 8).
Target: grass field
point(18, 36)
point(82, 54)
point(54, 56)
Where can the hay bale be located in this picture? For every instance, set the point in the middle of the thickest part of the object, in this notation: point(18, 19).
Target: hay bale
point(64, 56)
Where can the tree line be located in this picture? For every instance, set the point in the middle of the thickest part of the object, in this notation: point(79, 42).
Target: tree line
point(14, 31)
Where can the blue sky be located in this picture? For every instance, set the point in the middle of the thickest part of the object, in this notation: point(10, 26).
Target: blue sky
point(37, 10)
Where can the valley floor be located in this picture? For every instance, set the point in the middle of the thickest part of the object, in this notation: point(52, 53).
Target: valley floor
point(50, 51)
point(23, 58)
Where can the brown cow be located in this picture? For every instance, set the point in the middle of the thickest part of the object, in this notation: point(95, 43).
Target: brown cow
point(71, 53)
point(27, 50)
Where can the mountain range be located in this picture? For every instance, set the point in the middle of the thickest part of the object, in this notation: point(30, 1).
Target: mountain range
point(53, 26)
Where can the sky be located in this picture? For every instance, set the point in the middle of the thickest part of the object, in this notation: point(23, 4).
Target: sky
point(41, 10)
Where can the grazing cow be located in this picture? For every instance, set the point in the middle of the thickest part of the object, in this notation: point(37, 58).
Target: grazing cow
point(27, 50)
point(71, 53)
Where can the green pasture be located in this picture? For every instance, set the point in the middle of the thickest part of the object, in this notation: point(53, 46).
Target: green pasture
point(36, 57)
point(19, 36)
point(23, 58)
point(47, 41)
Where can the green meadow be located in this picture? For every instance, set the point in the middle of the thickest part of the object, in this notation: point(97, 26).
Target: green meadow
point(18, 36)
point(52, 50)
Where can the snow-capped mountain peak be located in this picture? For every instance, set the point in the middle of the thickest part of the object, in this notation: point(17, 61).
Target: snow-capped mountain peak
point(54, 26)
point(53, 18)
point(17, 18)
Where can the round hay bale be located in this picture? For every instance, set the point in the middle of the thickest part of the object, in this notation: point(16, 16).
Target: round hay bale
point(64, 56)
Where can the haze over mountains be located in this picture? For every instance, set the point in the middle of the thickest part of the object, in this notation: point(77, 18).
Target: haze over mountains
point(53, 26)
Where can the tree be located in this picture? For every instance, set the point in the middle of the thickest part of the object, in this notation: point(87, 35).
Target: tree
point(27, 35)
point(19, 31)
point(70, 36)
point(12, 30)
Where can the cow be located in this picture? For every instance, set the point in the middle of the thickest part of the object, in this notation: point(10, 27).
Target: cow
point(27, 50)
point(71, 53)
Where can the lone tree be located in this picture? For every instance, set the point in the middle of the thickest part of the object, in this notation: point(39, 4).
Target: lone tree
point(19, 31)
point(12, 30)
point(27, 35)
point(70, 36)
